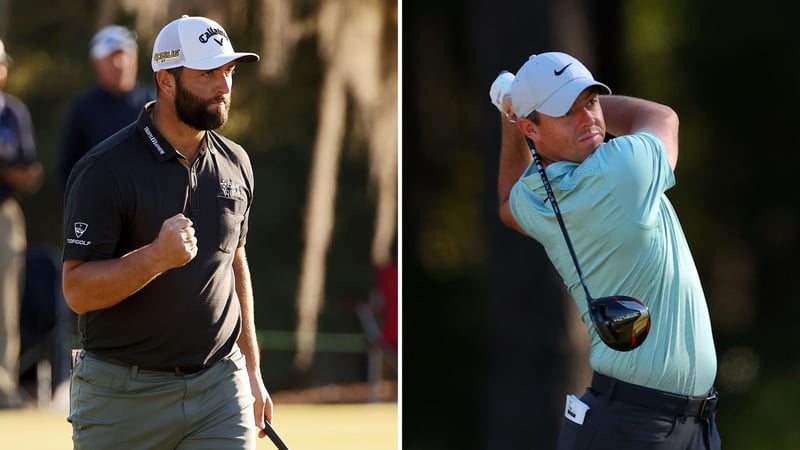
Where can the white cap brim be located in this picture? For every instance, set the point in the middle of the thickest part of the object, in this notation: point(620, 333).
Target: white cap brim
point(561, 101)
point(220, 60)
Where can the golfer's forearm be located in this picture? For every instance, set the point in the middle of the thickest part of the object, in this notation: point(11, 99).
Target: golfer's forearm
point(94, 285)
point(514, 159)
point(627, 115)
point(248, 342)
point(624, 115)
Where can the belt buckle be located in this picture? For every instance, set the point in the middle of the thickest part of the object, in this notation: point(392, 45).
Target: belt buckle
point(189, 370)
point(712, 397)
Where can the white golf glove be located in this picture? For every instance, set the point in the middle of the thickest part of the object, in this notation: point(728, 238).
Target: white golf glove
point(498, 92)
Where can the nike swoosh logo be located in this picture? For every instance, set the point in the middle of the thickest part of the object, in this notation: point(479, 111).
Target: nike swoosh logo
point(559, 72)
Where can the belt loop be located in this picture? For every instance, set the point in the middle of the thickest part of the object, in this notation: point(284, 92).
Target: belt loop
point(711, 396)
point(134, 372)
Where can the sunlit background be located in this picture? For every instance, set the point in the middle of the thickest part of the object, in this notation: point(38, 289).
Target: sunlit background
point(318, 117)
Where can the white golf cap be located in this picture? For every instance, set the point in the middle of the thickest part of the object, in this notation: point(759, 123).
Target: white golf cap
point(197, 43)
point(5, 58)
point(110, 39)
point(549, 83)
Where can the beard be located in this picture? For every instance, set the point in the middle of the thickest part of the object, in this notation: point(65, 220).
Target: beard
point(193, 110)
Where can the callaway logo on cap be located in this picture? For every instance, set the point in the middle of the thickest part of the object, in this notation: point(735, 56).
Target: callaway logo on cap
point(550, 83)
point(197, 43)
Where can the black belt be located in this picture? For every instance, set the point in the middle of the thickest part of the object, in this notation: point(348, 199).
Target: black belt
point(680, 405)
point(182, 370)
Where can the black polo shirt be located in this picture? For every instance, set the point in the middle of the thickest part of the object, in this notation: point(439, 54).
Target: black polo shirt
point(117, 197)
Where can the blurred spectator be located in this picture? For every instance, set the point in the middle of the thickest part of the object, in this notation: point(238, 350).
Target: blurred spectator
point(20, 172)
point(386, 280)
point(379, 314)
point(115, 101)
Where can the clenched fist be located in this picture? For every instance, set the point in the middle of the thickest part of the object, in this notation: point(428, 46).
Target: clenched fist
point(176, 244)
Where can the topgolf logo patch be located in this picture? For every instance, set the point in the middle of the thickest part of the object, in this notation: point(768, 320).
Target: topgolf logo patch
point(80, 228)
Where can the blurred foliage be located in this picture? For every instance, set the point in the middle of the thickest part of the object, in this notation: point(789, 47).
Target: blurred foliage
point(728, 69)
point(275, 122)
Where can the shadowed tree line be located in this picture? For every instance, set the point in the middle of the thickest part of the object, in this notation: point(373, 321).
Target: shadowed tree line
point(494, 339)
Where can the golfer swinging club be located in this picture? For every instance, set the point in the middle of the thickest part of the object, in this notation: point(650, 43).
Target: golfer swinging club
point(156, 222)
point(629, 241)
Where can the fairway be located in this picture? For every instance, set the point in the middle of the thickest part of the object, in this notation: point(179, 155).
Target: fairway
point(367, 426)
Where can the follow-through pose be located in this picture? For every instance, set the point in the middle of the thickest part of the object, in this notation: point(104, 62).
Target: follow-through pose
point(627, 237)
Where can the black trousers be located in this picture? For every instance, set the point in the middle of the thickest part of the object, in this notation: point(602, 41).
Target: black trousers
point(623, 416)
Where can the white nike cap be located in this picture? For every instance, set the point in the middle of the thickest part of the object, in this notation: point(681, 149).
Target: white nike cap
point(197, 43)
point(549, 83)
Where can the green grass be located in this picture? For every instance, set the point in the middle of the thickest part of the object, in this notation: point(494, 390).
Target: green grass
point(369, 426)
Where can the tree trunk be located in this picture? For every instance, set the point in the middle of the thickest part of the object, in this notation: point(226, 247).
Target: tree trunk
point(353, 52)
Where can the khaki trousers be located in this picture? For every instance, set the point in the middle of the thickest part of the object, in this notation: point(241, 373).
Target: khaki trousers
point(122, 407)
point(12, 266)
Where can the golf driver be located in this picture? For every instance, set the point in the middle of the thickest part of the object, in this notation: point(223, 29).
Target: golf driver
point(273, 436)
point(621, 322)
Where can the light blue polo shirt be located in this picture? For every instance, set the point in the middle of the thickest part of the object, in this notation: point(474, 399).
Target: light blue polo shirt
point(629, 242)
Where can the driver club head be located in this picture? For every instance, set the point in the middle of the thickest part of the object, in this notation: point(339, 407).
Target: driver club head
point(621, 322)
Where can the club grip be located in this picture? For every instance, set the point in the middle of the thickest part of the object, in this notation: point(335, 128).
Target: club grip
point(273, 436)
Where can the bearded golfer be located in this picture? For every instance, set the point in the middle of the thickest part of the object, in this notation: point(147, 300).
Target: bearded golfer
point(154, 264)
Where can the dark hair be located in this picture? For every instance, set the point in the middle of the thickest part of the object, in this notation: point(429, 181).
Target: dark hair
point(533, 117)
point(175, 72)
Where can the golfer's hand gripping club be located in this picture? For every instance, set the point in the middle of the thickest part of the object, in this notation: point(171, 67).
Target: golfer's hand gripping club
point(500, 94)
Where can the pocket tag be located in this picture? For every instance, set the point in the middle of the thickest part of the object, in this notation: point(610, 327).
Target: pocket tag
point(575, 410)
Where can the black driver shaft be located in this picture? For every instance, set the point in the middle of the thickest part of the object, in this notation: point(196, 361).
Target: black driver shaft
point(540, 167)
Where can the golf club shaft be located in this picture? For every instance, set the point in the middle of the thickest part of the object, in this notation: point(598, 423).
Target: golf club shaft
point(540, 167)
point(273, 436)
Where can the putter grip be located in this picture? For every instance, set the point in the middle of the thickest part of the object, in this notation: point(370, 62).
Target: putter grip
point(273, 436)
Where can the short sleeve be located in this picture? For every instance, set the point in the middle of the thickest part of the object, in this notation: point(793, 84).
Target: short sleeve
point(92, 214)
point(637, 171)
